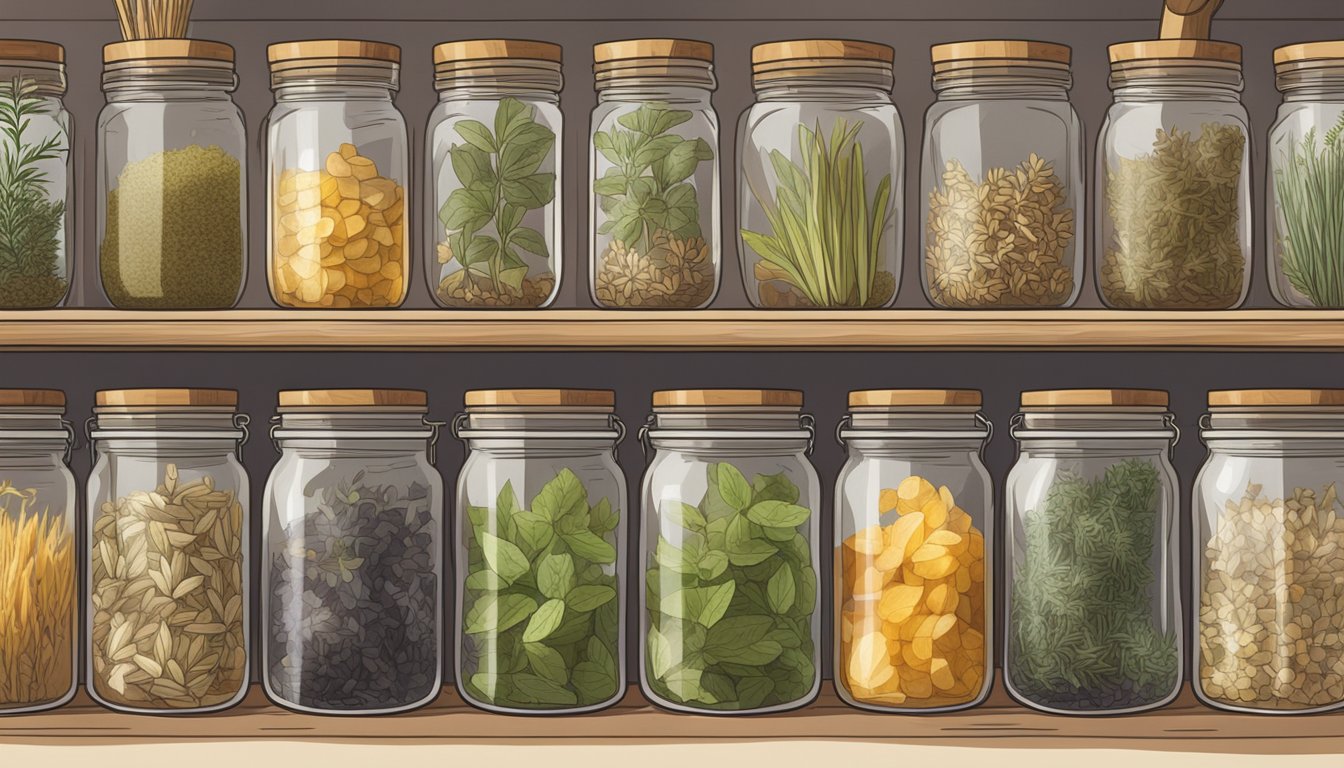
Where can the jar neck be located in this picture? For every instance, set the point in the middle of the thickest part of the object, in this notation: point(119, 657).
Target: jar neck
point(17, 455)
point(1008, 83)
point(1321, 82)
point(152, 92)
point(1177, 83)
point(638, 91)
point(1095, 421)
point(497, 91)
point(132, 81)
point(812, 90)
point(1304, 419)
point(595, 421)
point(412, 420)
point(165, 445)
point(47, 79)
point(315, 90)
point(153, 423)
point(731, 419)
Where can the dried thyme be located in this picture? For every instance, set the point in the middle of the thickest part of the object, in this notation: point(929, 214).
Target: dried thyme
point(730, 595)
point(1084, 631)
point(1176, 216)
point(1309, 192)
point(1003, 242)
point(32, 243)
point(540, 607)
point(354, 599)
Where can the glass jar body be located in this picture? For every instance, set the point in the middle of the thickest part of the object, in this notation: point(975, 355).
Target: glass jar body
point(540, 566)
point(172, 198)
point(728, 614)
point(1011, 154)
point(786, 188)
point(1173, 198)
point(1268, 575)
point(35, 243)
point(894, 650)
point(351, 598)
point(337, 170)
point(39, 600)
point(654, 234)
point(1306, 189)
point(493, 216)
point(168, 516)
point(1091, 582)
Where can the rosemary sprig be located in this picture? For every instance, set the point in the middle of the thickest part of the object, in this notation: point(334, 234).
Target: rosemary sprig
point(30, 221)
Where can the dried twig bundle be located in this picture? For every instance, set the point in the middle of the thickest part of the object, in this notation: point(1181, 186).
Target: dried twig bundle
point(153, 19)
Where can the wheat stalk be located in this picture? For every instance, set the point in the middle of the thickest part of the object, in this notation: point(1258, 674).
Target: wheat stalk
point(153, 19)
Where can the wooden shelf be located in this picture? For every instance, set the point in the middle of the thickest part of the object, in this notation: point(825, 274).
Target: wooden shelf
point(687, 330)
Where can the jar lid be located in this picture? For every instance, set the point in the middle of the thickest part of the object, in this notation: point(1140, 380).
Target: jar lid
point(728, 398)
point(136, 398)
point(32, 398)
point(1299, 53)
point(474, 50)
point(1193, 51)
point(652, 48)
point(180, 49)
point(979, 54)
point(765, 54)
point(301, 50)
point(540, 398)
point(32, 50)
point(688, 62)
point(353, 398)
point(1276, 398)
point(894, 398)
point(1107, 398)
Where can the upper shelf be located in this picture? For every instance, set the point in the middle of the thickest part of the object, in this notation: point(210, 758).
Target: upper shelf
point(675, 330)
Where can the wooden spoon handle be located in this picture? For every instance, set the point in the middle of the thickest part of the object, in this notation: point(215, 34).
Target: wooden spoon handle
point(1189, 19)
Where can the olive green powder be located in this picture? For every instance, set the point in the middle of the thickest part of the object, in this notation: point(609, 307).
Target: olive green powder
point(174, 238)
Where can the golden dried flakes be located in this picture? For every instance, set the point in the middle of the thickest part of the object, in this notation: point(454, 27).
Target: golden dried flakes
point(1005, 241)
point(1175, 215)
point(676, 273)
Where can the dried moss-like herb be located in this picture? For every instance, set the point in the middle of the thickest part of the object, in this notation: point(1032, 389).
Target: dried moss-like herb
point(1309, 190)
point(1002, 242)
point(354, 593)
point(1176, 217)
point(31, 251)
point(540, 608)
point(730, 609)
point(1083, 634)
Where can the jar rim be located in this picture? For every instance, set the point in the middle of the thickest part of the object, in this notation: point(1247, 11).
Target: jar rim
point(350, 400)
point(1275, 398)
point(1207, 52)
point(184, 52)
point(1093, 399)
point(652, 48)
point(457, 51)
point(112, 400)
point(32, 398)
point(903, 399)
point(539, 399)
point(683, 400)
point(1000, 53)
point(1324, 52)
point(304, 51)
point(16, 50)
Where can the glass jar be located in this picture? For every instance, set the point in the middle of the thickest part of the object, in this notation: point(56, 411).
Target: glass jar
point(821, 176)
point(1306, 177)
point(39, 591)
point(1269, 568)
point(493, 203)
point(1092, 609)
point(172, 177)
point(337, 169)
point(169, 594)
point(728, 613)
point(540, 552)
point(1002, 193)
point(351, 587)
point(653, 210)
point(914, 590)
point(1174, 179)
point(36, 186)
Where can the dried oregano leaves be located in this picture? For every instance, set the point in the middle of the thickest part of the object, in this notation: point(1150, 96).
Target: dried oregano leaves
point(1084, 630)
point(166, 588)
point(1176, 215)
point(540, 609)
point(354, 598)
point(1005, 241)
point(730, 597)
point(1271, 613)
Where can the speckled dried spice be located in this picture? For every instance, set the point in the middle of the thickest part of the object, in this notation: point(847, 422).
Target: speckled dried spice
point(676, 273)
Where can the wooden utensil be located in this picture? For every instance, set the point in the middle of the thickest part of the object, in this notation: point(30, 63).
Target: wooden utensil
point(1189, 19)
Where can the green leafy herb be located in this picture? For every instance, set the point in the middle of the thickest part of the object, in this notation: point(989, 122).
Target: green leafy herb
point(1309, 190)
point(30, 221)
point(731, 608)
point(826, 233)
point(541, 614)
point(1084, 632)
point(501, 182)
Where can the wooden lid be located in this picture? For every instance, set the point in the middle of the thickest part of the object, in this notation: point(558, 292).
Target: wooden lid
point(1323, 50)
point(1109, 398)
point(39, 398)
point(470, 50)
point(353, 398)
point(1007, 50)
point(132, 50)
point(1272, 398)
point(1194, 50)
point(32, 50)
point(846, 50)
point(118, 398)
point(719, 398)
point(332, 49)
point(884, 398)
point(653, 48)
point(540, 398)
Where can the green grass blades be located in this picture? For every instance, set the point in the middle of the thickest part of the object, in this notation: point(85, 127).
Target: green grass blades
point(826, 233)
point(1310, 191)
